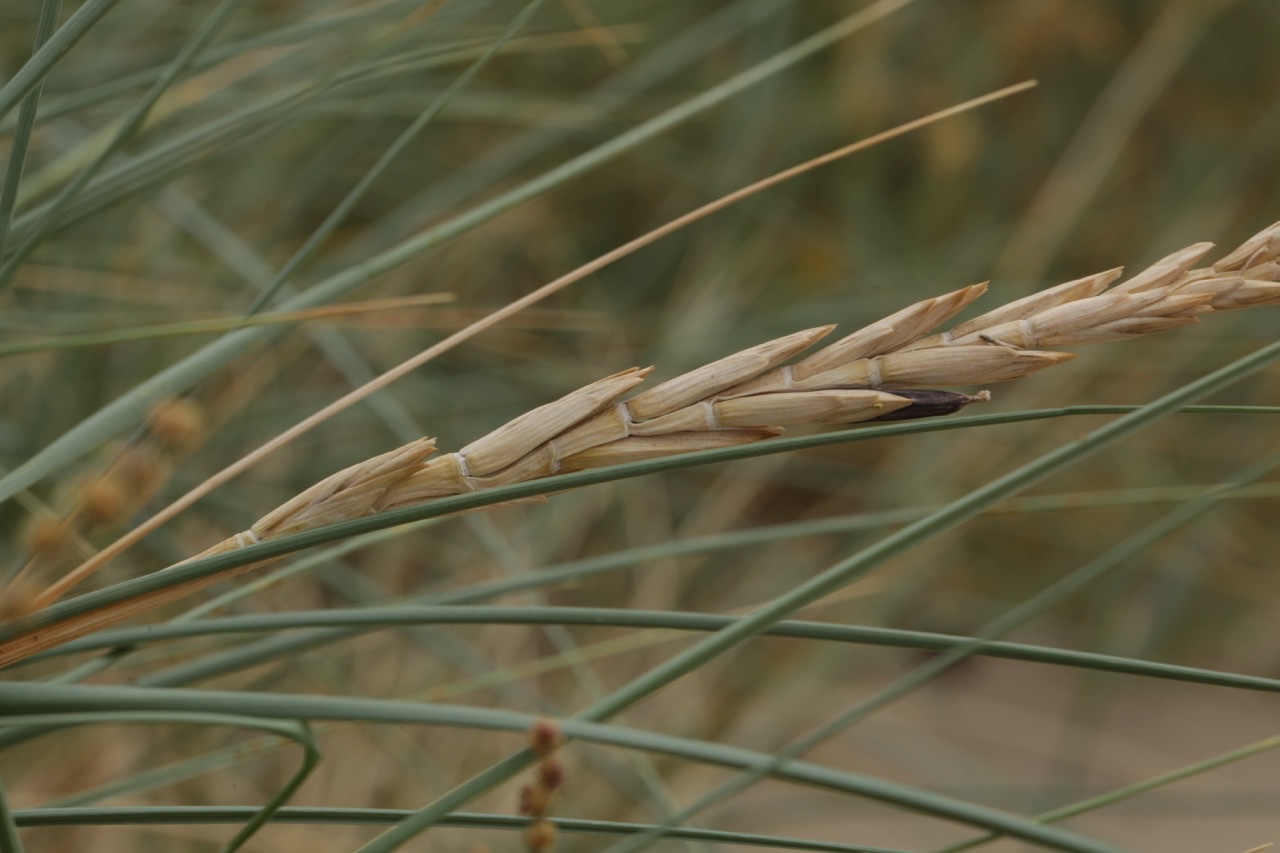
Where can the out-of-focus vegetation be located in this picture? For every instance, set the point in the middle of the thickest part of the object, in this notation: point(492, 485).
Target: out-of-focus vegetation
point(1154, 125)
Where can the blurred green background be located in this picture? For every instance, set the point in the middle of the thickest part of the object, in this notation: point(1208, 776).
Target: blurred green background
point(1154, 125)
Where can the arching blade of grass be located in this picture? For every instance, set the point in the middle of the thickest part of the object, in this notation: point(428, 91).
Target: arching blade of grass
point(83, 607)
point(22, 132)
point(1014, 618)
point(369, 619)
point(182, 151)
point(20, 699)
point(296, 732)
point(192, 815)
point(393, 151)
point(220, 325)
point(28, 77)
point(490, 168)
point(1122, 793)
point(70, 103)
point(9, 840)
point(838, 576)
point(129, 125)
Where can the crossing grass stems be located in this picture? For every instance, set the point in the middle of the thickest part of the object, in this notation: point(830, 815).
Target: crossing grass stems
point(895, 368)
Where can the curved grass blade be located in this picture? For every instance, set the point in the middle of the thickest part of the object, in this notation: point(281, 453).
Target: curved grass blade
point(842, 574)
point(129, 125)
point(22, 132)
point(19, 699)
point(296, 732)
point(189, 815)
point(1014, 618)
point(1092, 803)
point(28, 77)
point(83, 607)
point(369, 619)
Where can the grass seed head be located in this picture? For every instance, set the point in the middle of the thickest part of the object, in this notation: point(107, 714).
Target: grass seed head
point(509, 442)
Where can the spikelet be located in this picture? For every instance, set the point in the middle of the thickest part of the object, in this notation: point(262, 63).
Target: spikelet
point(891, 333)
point(708, 380)
point(351, 493)
point(505, 445)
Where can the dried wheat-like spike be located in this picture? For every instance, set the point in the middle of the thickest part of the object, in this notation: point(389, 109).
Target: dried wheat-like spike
point(1170, 295)
point(1060, 321)
point(742, 396)
point(638, 415)
point(447, 475)
point(610, 425)
point(864, 376)
point(441, 477)
point(707, 380)
point(1256, 286)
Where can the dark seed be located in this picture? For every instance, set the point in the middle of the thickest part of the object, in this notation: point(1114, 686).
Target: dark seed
point(930, 403)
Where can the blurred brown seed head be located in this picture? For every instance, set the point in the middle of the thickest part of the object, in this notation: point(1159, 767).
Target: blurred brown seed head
point(551, 774)
point(544, 737)
point(534, 800)
point(104, 501)
point(177, 424)
point(46, 536)
point(540, 836)
point(143, 471)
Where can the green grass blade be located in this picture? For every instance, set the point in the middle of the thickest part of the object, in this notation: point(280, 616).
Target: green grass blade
point(189, 815)
point(386, 617)
point(357, 192)
point(1014, 618)
point(296, 732)
point(28, 77)
point(9, 840)
point(49, 10)
point(18, 699)
point(846, 571)
point(129, 126)
point(446, 506)
point(1123, 793)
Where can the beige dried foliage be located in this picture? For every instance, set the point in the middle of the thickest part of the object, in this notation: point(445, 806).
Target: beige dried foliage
point(746, 397)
